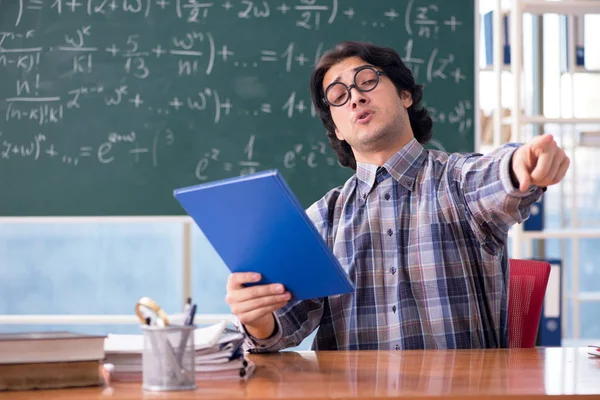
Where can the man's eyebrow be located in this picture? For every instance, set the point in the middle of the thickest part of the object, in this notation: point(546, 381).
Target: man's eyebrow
point(339, 77)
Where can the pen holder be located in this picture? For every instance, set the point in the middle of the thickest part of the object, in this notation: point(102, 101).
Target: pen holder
point(168, 360)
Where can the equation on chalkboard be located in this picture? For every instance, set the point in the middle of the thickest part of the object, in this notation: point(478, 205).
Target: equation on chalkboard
point(109, 105)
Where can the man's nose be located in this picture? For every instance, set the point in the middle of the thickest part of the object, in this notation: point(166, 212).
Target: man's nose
point(357, 97)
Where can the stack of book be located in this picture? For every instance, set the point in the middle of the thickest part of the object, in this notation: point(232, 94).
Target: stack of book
point(50, 360)
point(218, 355)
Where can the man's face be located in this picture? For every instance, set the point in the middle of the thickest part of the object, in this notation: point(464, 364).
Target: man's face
point(370, 120)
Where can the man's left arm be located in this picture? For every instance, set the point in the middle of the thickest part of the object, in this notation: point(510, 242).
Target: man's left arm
point(499, 188)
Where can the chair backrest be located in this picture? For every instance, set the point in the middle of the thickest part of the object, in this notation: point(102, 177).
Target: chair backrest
point(528, 281)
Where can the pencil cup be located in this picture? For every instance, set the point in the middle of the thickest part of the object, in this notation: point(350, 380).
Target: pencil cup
point(168, 360)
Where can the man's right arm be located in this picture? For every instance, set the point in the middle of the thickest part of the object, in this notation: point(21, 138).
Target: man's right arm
point(264, 314)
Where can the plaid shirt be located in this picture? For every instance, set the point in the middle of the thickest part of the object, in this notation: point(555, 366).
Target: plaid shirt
point(424, 240)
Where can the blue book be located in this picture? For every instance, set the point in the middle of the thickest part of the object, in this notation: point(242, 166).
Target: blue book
point(488, 32)
point(256, 224)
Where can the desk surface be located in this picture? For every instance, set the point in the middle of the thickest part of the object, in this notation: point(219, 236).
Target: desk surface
point(452, 374)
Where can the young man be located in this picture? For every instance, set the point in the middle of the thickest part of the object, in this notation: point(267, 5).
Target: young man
point(421, 233)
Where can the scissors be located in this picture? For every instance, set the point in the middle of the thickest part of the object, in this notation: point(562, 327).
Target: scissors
point(150, 313)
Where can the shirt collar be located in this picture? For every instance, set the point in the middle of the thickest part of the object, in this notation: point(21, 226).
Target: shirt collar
point(403, 166)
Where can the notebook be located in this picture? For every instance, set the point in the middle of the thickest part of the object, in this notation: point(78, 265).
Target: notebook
point(256, 224)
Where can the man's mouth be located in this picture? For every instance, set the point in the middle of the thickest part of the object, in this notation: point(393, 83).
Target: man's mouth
point(363, 116)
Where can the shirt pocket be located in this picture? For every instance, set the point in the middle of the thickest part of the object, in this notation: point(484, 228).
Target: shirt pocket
point(441, 255)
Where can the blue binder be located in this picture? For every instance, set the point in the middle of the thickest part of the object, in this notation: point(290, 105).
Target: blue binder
point(535, 222)
point(256, 224)
point(488, 37)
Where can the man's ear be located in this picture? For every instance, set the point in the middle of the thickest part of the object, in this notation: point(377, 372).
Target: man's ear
point(406, 98)
point(338, 134)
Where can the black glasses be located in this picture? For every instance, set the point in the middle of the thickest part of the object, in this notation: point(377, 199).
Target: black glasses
point(365, 80)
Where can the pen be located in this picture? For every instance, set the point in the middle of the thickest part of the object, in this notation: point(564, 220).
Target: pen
point(189, 319)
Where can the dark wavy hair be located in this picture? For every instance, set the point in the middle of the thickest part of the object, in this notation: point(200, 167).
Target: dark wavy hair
point(385, 58)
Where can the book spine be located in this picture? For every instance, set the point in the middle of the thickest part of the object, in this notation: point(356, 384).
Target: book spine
point(579, 40)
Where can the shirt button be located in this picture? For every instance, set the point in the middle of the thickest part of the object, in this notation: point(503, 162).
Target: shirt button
point(387, 196)
point(394, 309)
point(390, 232)
point(393, 270)
point(364, 196)
point(397, 347)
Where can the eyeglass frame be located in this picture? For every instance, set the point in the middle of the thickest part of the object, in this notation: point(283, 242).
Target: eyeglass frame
point(353, 85)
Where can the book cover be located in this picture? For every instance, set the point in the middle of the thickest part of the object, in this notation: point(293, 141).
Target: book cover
point(50, 346)
point(256, 224)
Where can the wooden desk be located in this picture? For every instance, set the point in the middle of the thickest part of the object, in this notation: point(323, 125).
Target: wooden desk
point(478, 374)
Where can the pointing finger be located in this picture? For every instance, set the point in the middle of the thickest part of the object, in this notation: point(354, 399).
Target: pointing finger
point(540, 142)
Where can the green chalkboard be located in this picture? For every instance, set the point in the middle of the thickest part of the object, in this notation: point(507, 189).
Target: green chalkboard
point(106, 106)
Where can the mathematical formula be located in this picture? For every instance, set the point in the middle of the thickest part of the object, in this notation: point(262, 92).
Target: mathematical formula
point(423, 21)
point(128, 146)
point(173, 79)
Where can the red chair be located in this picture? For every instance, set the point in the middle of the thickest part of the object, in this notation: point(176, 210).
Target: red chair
point(528, 281)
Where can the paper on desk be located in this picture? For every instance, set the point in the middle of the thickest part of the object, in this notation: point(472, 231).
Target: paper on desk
point(128, 344)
